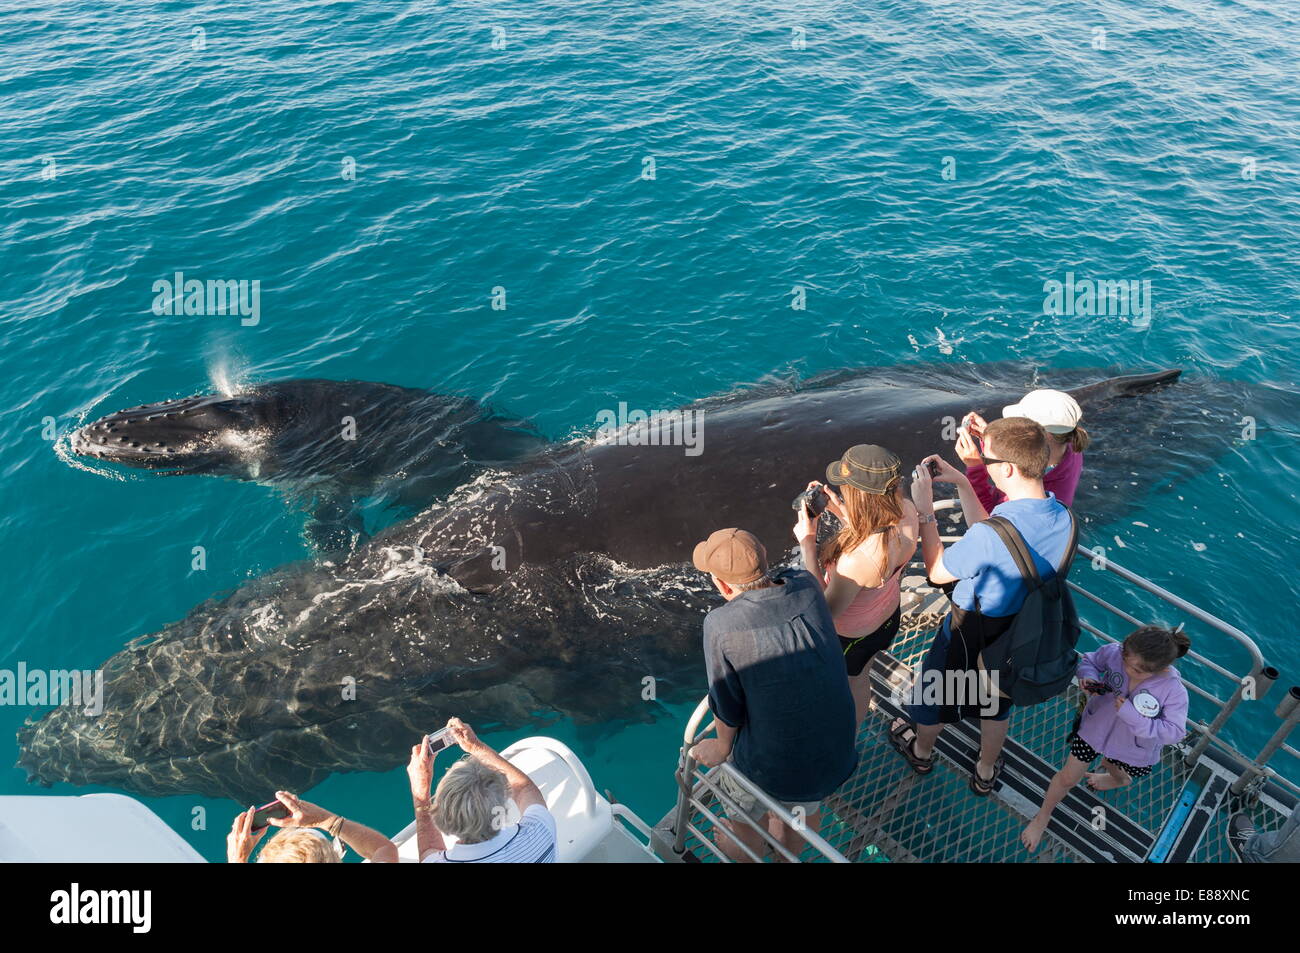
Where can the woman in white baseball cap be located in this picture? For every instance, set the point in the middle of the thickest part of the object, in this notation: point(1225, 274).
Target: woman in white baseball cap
point(1056, 412)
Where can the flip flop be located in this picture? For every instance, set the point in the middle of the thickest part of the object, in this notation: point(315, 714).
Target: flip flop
point(905, 748)
point(978, 785)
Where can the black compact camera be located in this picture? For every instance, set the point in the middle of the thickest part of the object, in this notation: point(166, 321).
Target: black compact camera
point(1096, 688)
point(814, 501)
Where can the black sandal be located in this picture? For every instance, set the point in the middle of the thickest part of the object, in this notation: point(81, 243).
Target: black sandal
point(978, 785)
point(906, 748)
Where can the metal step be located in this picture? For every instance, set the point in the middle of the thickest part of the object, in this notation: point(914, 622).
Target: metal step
point(1202, 797)
point(1024, 781)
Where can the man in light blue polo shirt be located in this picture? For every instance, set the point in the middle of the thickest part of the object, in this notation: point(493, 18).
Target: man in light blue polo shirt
point(988, 589)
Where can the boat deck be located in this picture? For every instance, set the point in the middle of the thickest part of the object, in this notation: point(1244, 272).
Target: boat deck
point(888, 813)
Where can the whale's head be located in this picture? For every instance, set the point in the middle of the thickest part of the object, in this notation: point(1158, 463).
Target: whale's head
point(214, 434)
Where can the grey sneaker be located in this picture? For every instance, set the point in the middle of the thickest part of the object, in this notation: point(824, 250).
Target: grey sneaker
point(1240, 829)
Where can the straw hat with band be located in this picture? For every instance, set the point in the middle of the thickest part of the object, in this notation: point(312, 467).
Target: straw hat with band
point(867, 467)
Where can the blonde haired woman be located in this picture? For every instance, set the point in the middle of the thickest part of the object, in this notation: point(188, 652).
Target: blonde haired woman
point(308, 834)
point(860, 568)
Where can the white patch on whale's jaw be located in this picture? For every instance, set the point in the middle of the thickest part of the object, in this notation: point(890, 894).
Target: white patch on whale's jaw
point(247, 446)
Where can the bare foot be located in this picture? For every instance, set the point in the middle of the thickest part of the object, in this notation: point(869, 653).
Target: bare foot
point(1103, 781)
point(1033, 833)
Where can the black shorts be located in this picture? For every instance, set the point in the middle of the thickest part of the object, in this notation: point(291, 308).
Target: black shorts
point(858, 651)
point(1088, 754)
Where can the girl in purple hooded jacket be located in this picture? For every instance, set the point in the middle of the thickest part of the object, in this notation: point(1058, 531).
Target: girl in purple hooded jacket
point(1136, 705)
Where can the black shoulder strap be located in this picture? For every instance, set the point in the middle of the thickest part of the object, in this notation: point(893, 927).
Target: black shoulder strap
point(1067, 560)
point(1015, 544)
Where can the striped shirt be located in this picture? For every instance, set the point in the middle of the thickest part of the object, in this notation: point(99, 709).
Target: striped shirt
point(531, 841)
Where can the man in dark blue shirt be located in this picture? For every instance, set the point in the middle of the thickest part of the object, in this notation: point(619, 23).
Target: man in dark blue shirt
point(777, 687)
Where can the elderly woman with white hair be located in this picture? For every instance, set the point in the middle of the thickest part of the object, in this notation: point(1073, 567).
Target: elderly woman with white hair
point(308, 834)
point(467, 820)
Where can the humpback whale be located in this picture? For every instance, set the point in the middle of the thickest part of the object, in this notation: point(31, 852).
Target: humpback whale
point(548, 588)
point(335, 441)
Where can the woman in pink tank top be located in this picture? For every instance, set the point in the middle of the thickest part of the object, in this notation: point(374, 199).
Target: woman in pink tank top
point(860, 568)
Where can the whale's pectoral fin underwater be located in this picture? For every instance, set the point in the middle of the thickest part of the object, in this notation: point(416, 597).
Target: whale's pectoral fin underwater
point(333, 524)
point(332, 441)
point(579, 558)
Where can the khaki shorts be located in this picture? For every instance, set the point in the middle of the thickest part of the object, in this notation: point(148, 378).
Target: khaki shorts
point(753, 808)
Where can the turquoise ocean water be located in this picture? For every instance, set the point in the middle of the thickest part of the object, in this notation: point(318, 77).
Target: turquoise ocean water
point(510, 145)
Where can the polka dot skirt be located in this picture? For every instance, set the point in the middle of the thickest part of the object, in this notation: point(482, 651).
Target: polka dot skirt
point(1087, 754)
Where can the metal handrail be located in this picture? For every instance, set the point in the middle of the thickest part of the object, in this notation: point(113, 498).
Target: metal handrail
point(628, 817)
point(691, 778)
point(733, 810)
point(1177, 602)
point(1288, 710)
point(693, 732)
point(1258, 680)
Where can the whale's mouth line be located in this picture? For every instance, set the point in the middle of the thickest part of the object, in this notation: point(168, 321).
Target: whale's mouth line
point(157, 457)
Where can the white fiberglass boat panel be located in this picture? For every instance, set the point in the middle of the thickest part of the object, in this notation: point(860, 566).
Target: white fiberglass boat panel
point(90, 829)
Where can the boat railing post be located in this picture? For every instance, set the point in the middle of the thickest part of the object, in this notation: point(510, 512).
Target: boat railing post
point(685, 774)
point(681, 818)
point(1258, 682)
point(1289, 711)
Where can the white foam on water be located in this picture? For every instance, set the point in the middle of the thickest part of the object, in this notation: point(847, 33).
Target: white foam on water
point(400, 563)
point(265, 620)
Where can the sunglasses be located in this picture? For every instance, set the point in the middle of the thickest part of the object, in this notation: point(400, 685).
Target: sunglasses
point(988, 460)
